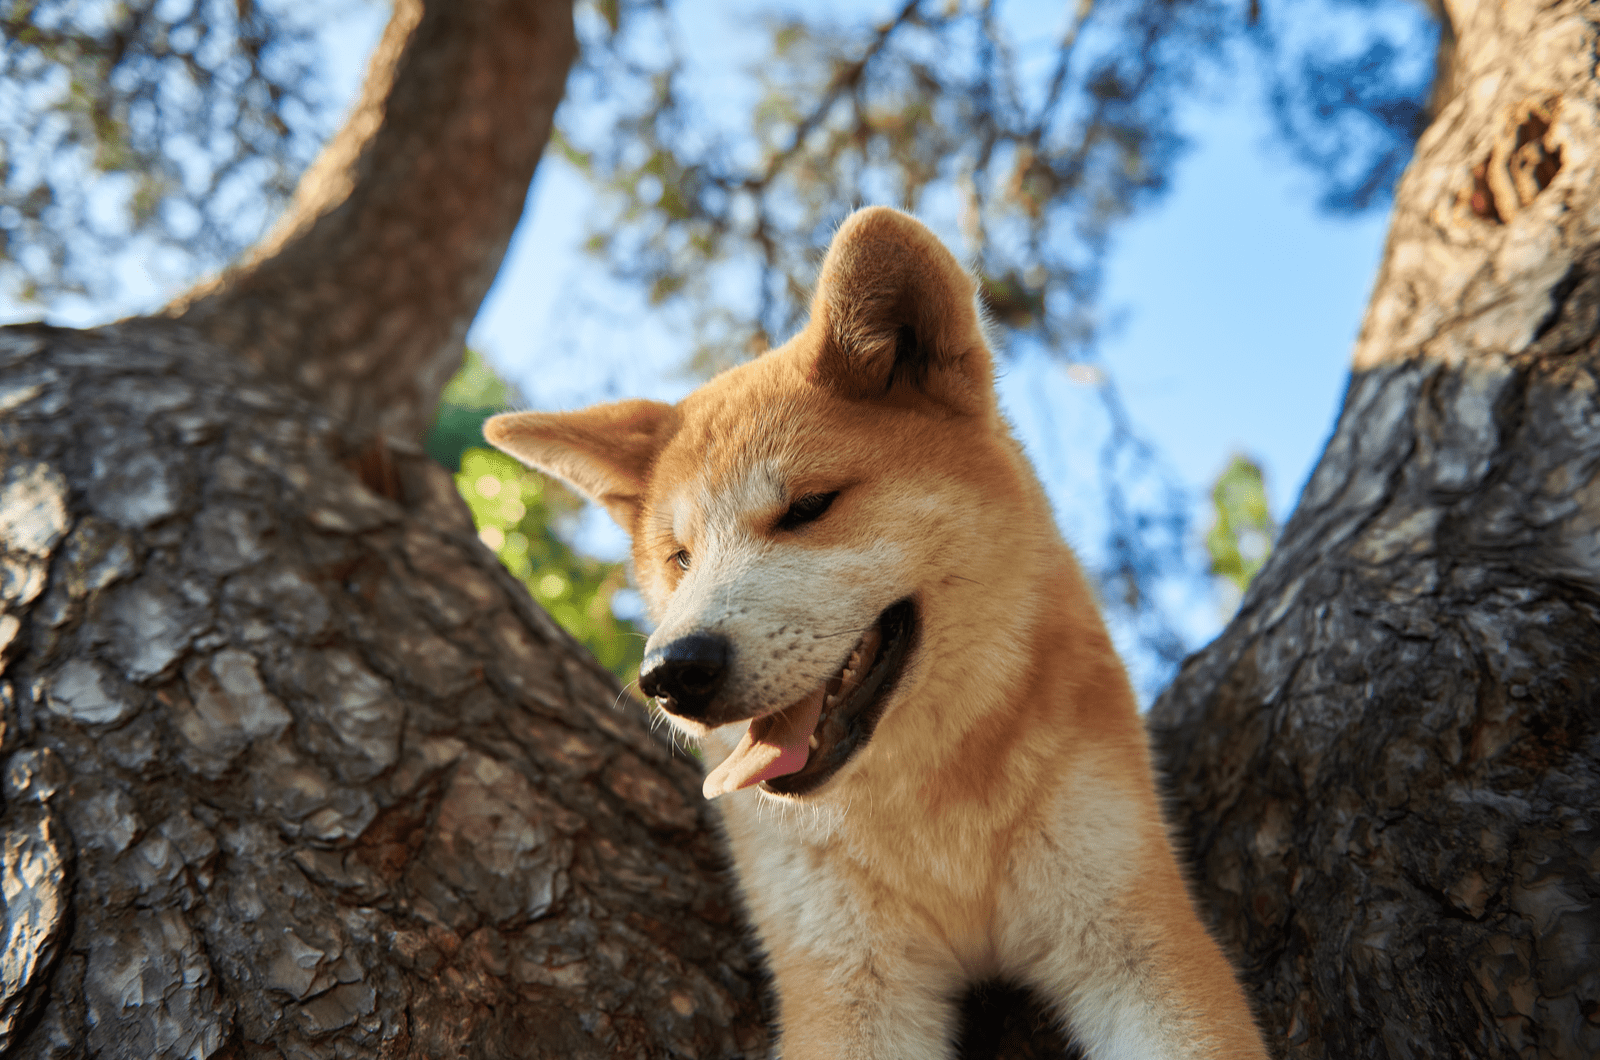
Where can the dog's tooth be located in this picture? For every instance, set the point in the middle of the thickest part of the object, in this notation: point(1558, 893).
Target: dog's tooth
point(815, 743)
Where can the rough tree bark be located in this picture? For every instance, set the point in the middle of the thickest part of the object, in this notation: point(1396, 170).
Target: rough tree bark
point(1388, 766)
point(294, 767)
point(291, 766)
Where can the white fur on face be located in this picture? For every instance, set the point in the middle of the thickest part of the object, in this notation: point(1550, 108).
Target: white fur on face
point(791, 613)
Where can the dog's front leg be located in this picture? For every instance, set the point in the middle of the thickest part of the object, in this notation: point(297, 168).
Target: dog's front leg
point(1146, 1008)
point(878, 998)
point(1141, 979)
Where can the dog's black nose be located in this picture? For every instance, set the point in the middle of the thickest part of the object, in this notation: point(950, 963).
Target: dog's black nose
point(686, 674)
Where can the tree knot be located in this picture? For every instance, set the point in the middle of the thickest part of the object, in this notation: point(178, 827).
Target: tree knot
point(1522, 162)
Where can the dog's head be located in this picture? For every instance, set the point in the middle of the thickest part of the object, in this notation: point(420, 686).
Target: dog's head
point(825, 533)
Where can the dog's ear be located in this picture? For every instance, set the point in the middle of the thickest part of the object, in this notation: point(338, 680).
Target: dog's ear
point(899, 316)
point(604, 452)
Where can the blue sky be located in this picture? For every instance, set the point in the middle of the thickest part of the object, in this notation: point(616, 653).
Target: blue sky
point(1238, 303)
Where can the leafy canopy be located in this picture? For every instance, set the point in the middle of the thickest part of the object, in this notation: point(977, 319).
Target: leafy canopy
point(182, 123)
point(1024, 131)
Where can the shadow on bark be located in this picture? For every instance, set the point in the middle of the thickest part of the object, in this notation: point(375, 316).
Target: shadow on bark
point(1387, 768)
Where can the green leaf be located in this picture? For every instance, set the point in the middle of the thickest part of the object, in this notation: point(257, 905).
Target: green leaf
point(1242, 530)
point(477, 384)
point(527, 522)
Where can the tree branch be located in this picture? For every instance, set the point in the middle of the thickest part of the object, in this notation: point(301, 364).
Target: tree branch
point(363, 293)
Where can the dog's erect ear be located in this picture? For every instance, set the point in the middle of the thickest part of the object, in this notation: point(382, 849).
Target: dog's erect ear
point(898, 315)
point(604, 452)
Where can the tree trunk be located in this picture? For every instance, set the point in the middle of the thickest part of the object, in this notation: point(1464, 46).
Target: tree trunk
point(291, 765)
point(1388, 766)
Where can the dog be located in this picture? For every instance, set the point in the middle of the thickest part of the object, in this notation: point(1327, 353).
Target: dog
point(929, 759)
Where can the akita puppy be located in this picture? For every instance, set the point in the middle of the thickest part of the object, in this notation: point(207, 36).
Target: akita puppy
point(929, 758)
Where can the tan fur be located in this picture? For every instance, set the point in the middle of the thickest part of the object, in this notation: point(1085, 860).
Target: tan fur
point(1002, 821)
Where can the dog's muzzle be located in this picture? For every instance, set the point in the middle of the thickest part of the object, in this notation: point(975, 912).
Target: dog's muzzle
point(686, 674)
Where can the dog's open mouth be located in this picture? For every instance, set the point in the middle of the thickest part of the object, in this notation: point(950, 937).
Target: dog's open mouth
point(797, 749)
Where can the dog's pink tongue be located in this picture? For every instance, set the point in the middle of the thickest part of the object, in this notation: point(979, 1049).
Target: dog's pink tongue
point(775, 746)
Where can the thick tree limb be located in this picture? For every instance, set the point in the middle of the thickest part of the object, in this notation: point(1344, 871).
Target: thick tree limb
point(1388, 765)
point(295, 768)
point(363, 293)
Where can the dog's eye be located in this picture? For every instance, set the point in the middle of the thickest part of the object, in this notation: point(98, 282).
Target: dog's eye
point(681, 558)
point(807, 509)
